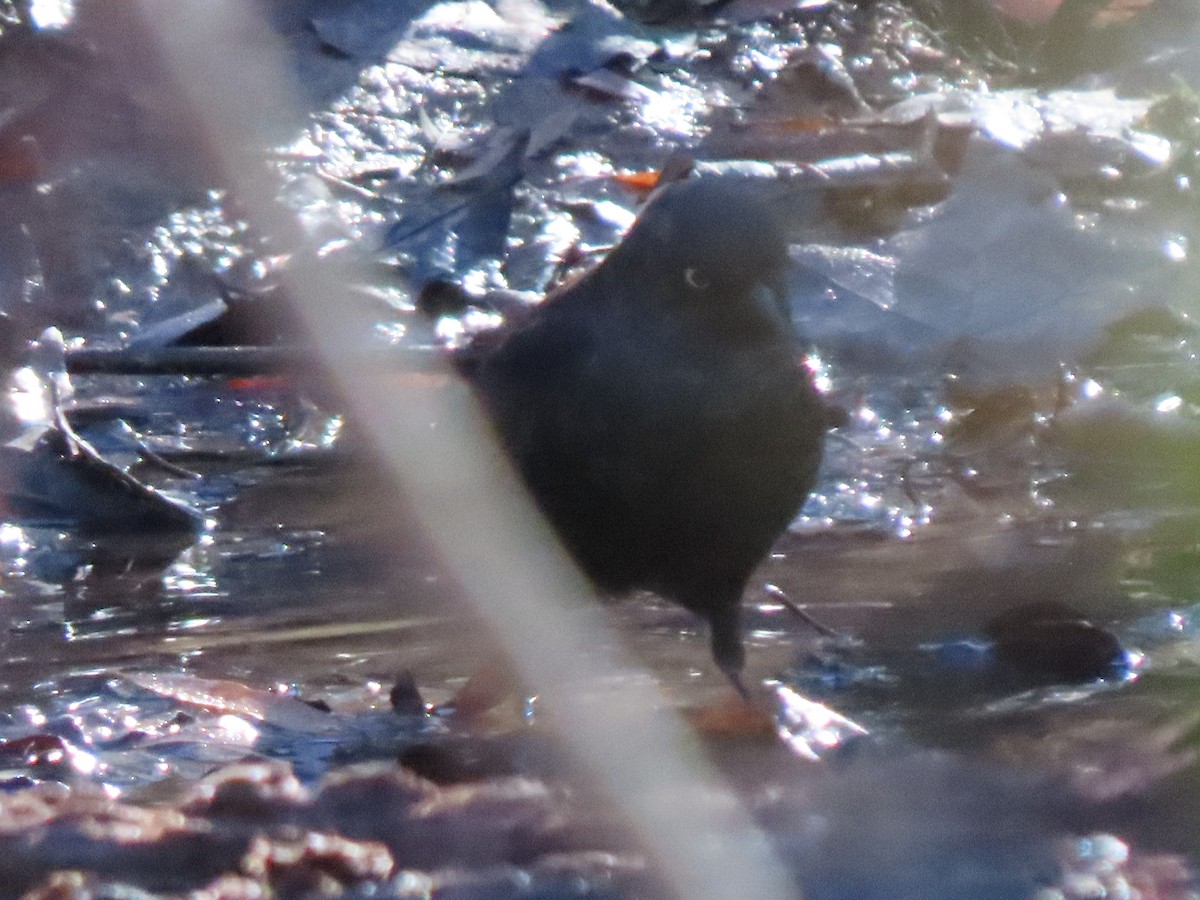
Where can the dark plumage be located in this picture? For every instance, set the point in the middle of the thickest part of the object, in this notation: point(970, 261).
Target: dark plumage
point(659, 410)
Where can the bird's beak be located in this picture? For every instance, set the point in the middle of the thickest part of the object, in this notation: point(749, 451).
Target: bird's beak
point(770, 299)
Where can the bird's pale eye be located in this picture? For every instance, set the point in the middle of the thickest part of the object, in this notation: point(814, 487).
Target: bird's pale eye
point(696, 279)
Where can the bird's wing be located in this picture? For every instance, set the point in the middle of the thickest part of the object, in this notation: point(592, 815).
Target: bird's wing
point(528, 380)
point(746, 443)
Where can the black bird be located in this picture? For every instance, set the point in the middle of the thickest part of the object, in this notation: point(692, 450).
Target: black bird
point(659, 409)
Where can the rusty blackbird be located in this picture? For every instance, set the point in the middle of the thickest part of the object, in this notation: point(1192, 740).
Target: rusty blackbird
point(659, 409)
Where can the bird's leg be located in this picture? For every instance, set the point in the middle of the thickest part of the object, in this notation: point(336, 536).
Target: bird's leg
point(735, 679)
point(777, 594)
point(725, 628)
point(737, 714)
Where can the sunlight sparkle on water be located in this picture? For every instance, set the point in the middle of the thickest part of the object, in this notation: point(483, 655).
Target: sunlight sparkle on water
point(819, 370)
point(810, 729)
point(193, 582)
point(184, 583)
point(391, 332)
point(235, 728)
point(1176, 248)
point(13, 538)
point(1135, 660)
point(586, 164)
point(51, 14)
point(27, 399)
point(560, 234)
point(614, 214)
point(673, 111)
point(1168, 404)
point(191, 624)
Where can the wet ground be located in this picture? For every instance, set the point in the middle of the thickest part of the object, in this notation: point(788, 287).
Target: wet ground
point(992, 220)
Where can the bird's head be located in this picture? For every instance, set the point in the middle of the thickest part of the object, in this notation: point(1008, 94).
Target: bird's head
point(711, 251)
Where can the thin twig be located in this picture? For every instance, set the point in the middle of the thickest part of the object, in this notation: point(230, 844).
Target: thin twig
point(232, 361)
point(776, 593)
